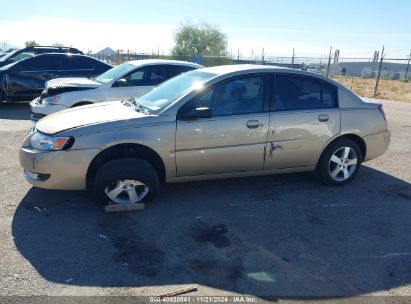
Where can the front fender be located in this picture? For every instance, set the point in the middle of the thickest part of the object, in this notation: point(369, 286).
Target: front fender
point(159, 138)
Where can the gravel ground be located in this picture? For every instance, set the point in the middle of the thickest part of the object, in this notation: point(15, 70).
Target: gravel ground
point(276, 236)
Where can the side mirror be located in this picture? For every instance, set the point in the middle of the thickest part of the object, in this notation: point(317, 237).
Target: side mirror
point(122, 82)
point(196, 113)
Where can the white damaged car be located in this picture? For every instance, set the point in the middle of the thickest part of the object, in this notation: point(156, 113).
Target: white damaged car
point(130, 79)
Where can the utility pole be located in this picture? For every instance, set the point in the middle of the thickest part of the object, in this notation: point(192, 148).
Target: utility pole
point(379, 72)
point(4, 44)
point(262, 56)
point(408, 65)
point(329, 61)
point(238, 55)
point(292, 60)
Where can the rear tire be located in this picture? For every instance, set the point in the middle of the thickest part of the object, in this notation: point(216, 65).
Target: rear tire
point(116, 181)
point(339, 163)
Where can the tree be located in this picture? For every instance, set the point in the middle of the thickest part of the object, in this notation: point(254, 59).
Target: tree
point(58, 44)
point(199, 39)
point(30, 43)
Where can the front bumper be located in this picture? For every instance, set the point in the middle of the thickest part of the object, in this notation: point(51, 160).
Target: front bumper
point(377, 144)
point(40, 110)
point(60, 170)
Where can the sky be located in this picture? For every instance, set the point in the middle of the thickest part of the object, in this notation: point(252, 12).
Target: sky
point(356, 27)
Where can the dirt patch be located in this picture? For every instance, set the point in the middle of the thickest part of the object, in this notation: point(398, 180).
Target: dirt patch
point(387, 89)
point(215, 235)
point(141, 257)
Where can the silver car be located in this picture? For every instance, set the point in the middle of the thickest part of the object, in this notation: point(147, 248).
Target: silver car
point(218, 122)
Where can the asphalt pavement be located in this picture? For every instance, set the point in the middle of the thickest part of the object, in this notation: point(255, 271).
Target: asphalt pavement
point(271, 237)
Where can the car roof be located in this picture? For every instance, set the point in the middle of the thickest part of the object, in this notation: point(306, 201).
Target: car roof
point(64, 54)
point(226, 69)
point(142, 62)
point(47, 47)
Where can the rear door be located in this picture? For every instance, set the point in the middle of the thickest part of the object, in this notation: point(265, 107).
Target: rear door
point(26, 79)
point(304, 116)
point(140, 81)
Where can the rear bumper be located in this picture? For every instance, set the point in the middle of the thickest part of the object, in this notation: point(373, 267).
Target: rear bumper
point(377, 144)
point(62, 170)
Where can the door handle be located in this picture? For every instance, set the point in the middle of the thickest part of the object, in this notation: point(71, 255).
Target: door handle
point(323, 117)
point(253, 124)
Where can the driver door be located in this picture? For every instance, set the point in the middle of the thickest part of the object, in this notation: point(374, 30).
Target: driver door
point(26, 79)
point(234, 137)
point(138, 82)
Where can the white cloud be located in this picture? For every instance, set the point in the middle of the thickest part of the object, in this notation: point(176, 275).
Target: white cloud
point(89, 35)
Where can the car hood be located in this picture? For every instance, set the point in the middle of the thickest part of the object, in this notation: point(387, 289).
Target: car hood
point(85, 116)
point(72, 82)
point(63, 85)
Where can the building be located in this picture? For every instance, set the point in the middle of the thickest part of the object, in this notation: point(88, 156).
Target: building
point(389, 70)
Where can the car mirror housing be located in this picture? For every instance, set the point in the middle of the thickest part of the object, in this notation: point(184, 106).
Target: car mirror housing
point(122, 82)
point(196, 113)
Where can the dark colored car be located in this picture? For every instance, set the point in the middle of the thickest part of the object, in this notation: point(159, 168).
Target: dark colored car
point(17, 55)
point(25, 80)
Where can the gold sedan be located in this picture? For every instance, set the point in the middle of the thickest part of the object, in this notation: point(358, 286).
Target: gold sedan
point(218, 122)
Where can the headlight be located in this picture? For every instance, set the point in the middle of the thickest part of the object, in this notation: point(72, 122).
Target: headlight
point(52, 100)
point(50, 143)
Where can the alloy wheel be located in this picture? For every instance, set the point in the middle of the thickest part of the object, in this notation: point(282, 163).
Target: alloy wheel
point(342, 164)
point(126, 191)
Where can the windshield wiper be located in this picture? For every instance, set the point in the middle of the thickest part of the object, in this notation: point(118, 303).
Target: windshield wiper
point(132, 101)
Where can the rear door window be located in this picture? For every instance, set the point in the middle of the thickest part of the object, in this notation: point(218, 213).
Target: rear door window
point(38, 63)
point(73, 63)
point(175, 70)
point(295, 92)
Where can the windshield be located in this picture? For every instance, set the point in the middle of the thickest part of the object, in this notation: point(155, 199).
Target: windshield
point(168, 92)
point(115, 73)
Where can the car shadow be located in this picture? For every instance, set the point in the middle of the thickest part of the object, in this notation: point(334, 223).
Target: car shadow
point(15, 111)
point(273, 236)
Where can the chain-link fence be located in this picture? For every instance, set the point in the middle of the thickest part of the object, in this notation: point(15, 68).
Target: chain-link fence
point(362, 74)
point(365, 67)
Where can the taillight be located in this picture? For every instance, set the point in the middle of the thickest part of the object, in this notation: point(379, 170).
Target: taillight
point(382, 112)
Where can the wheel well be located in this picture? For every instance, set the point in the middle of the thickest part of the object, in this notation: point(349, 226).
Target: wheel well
point(126, 151)
point(355, 138)
point(81, 103)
